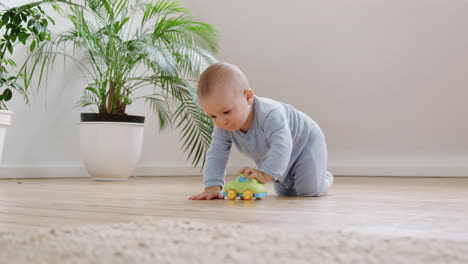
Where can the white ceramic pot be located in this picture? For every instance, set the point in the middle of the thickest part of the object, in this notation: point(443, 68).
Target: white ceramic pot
point(5, 122)
point(110, 150)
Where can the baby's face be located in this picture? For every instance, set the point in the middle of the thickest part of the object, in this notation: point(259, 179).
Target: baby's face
point(228, 108)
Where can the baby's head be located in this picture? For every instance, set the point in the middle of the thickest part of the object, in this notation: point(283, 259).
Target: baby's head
point(225, 95)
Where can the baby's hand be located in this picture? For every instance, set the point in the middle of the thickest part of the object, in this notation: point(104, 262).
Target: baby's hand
point(212, 192)
point(257, 174)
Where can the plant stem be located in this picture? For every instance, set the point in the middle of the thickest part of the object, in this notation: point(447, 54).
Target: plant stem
point(110, 97)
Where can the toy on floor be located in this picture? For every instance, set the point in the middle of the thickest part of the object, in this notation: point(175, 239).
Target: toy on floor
point(242, 187)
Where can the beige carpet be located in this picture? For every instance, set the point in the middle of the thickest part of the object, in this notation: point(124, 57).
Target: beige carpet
point(186, 241)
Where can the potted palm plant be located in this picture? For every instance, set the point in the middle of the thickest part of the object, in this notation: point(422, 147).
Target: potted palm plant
point(25, 24)
point(130, 47)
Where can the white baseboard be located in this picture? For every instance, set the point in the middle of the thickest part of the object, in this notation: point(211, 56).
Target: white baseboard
point(438, 170)
point(12, 172)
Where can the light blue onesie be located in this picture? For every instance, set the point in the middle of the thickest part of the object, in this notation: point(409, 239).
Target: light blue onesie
point(285, 144)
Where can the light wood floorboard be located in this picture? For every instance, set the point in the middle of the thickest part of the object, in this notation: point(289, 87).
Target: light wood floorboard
point(426, 207)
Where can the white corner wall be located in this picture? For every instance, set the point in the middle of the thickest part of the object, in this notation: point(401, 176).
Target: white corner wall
point(386, 80)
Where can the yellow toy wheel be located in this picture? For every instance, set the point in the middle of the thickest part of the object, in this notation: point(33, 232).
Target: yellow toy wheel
point(247, 195)
point(231, 194)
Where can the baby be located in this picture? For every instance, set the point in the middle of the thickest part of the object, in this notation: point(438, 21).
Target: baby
point(288, 147)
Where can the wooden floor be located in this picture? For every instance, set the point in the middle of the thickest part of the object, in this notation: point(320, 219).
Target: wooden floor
point(429, 207)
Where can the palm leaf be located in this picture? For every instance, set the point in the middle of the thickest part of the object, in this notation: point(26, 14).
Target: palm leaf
point(196, 126)
point(161, 107)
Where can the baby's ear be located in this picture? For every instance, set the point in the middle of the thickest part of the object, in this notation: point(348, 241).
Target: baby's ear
point(249, 95)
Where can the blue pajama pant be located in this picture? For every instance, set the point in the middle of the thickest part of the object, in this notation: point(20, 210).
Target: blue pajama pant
point(308, 176)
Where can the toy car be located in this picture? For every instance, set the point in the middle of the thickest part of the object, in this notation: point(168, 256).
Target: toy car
point(242, 187)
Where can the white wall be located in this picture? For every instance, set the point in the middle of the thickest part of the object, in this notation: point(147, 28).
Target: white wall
point(386, 80)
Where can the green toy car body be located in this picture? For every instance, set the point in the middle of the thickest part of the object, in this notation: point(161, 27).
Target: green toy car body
point(242, 187)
